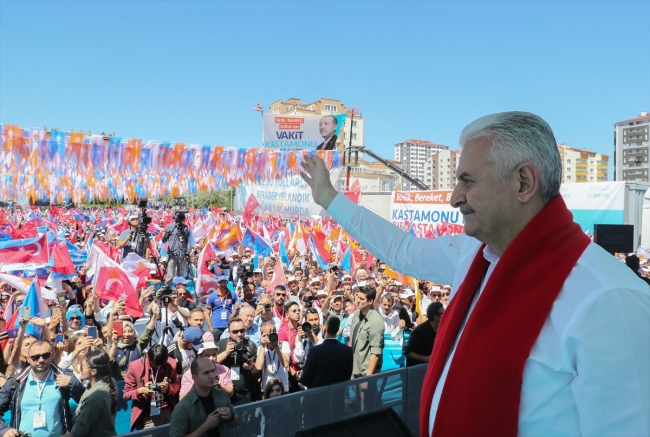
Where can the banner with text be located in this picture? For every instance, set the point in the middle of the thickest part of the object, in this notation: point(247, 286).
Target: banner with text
point(318, 132)
point(287, 198)
point(423, 210)
point(592, 203)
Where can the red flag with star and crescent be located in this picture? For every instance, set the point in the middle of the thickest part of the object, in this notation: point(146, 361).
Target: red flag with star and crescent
point(113, 284)
point(27, 250)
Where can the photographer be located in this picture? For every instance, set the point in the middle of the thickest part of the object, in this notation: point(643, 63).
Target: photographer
point(273, 356)
point(177, 235)
point(151, 383)
point(126, 241)
point(237, 353)
point(309, 335)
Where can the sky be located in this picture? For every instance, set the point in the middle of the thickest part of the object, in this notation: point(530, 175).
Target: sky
point(192, 71)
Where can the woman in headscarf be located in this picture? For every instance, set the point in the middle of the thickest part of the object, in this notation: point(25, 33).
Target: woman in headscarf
point(129, 347)
point(75, 318)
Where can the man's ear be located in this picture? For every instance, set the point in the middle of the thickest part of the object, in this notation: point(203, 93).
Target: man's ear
point(527, 178)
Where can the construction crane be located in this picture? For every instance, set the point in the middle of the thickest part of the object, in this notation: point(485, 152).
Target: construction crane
point(415, 181)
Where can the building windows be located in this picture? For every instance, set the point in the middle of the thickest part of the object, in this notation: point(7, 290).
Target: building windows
point(354, 124)
point(276, 110)
point(354, 136)
point(328, 108)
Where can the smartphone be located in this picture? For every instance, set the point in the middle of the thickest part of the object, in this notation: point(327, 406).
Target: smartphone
point(92, 331)
point(27, 313)
point(56, 311)
point(60, 338)
point(12, 333)
point(119, 328)
point(334, 269)
point(61, 297)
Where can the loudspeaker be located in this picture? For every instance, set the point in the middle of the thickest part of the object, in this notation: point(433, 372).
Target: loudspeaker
point(615, 238)
point(380, 423)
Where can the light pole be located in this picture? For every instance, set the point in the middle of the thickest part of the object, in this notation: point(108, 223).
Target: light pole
point(351, 112)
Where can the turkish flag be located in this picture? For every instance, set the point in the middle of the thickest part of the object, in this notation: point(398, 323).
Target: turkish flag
point(27, 250)
point(354, 193)
point(251, 205)
point(278, 278)
point(62, 260)
point(143, 274)
point(113, 284)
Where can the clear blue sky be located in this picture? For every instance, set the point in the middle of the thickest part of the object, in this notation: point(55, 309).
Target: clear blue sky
point(192, 71)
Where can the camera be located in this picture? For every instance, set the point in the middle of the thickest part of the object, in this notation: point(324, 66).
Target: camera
point(309, 301)
point(157, 394)
point(245, 271)
point(241, 350)
point(306, 327)
point(273, 337)
point(164, 295)
point(267, 307)
point(24, 434)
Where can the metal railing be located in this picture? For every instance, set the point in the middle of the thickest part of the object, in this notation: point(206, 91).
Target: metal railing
point(285, 415)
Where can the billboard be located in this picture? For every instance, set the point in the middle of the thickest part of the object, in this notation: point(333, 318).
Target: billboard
point(590, 203)
point(312, 132)
point(287, 197)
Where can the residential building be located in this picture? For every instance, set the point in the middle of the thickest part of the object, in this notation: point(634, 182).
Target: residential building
point(581, 165)
point(373, 176)
point(440, 170)
point(413, 155)
point(631, 149)
point(324, 106)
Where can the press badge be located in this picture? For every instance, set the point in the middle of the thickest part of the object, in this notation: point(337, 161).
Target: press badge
point(224, 315)
point(234, 373)
point(39, 420)
point(155, 410)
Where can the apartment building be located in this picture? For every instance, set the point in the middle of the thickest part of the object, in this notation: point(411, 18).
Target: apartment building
point(631, 162)
point(413, 154)
point(440, 170)
point(581, 165)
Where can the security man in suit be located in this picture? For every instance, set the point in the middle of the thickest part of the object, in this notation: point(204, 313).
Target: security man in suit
point(329, 362)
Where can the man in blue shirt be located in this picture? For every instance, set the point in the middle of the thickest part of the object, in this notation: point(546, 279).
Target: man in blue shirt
point(39, 402)
point(219, 307)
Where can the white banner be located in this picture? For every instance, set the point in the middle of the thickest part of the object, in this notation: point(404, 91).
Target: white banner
point(302, 131)
point(286, 198)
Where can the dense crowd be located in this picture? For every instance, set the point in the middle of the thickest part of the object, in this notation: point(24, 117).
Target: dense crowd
point(254, 329)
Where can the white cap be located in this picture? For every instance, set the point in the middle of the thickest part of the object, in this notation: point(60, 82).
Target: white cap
point(321, 293)
point(257, 271)
point(398, 283)
point(133, 216)
point(436, 288)
point(406, 293)
point(291, 279)
point(313, 281)
point(207, 345)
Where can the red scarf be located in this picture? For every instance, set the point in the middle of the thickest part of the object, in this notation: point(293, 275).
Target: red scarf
point(483, 387)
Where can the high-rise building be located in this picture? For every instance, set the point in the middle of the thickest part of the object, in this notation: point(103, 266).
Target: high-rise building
point(324, 106)
point(631, 149)
point(440, 170)
point(581, 165)
point(413, 154)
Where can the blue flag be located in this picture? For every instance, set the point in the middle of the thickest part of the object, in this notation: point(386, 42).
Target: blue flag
point(346, 261)
point(283, 251)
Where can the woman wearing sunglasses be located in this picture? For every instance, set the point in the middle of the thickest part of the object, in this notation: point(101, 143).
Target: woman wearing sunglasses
point(95, 415)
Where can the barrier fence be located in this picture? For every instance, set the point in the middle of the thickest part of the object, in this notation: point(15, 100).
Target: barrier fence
point(283, 416)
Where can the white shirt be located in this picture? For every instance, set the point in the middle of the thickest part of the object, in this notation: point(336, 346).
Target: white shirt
point(272, 367)
point(391, 323)
point(588, 371)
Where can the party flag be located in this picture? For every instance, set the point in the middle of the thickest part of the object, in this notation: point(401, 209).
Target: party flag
point(347, 262)
point(229, 239)
point(322, 256)
point(283, 251)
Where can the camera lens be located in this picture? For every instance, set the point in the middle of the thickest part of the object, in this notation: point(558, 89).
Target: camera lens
point(267, 307)
point(273, 337)
point(306, 327)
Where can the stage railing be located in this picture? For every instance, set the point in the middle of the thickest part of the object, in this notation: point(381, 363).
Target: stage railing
point(283, 416)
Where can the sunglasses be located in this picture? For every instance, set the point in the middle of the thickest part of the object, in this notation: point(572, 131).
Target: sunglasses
point(75, 318)
point(238, 331)
point(46, 356)
point(281, 294)
point(295, 311)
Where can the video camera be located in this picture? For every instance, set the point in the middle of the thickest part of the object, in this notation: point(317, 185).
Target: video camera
point(308, 301)
point(245, 271)
point(141, 237)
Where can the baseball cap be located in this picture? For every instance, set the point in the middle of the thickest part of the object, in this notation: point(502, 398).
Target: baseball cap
point(133, 216)
point(193, 335)
point(406, 293)
point(291, 279)
point(222, 278)
point(257, 271)
point(314, 281)
point(321, 292)
point(180, 280)
point(207, 345)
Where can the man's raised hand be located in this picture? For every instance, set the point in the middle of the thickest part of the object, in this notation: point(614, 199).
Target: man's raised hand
point(317, 176)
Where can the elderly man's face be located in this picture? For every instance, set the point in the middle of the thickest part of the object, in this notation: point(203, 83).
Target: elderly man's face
point(490, 208)
point(327, 126)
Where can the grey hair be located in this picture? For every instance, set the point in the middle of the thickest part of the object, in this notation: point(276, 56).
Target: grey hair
point(518, 137)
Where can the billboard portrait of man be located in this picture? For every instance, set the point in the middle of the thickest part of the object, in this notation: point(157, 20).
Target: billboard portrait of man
point(327, 128)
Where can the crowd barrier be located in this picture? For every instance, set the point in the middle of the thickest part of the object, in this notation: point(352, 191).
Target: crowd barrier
point(283, 416)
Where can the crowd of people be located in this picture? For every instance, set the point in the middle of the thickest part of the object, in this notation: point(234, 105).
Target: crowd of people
point(256, 338)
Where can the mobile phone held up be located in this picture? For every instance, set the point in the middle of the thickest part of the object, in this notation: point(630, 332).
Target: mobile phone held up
point(60, 338)
point(92, 331)
point(26, 313)
point(119, 328)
